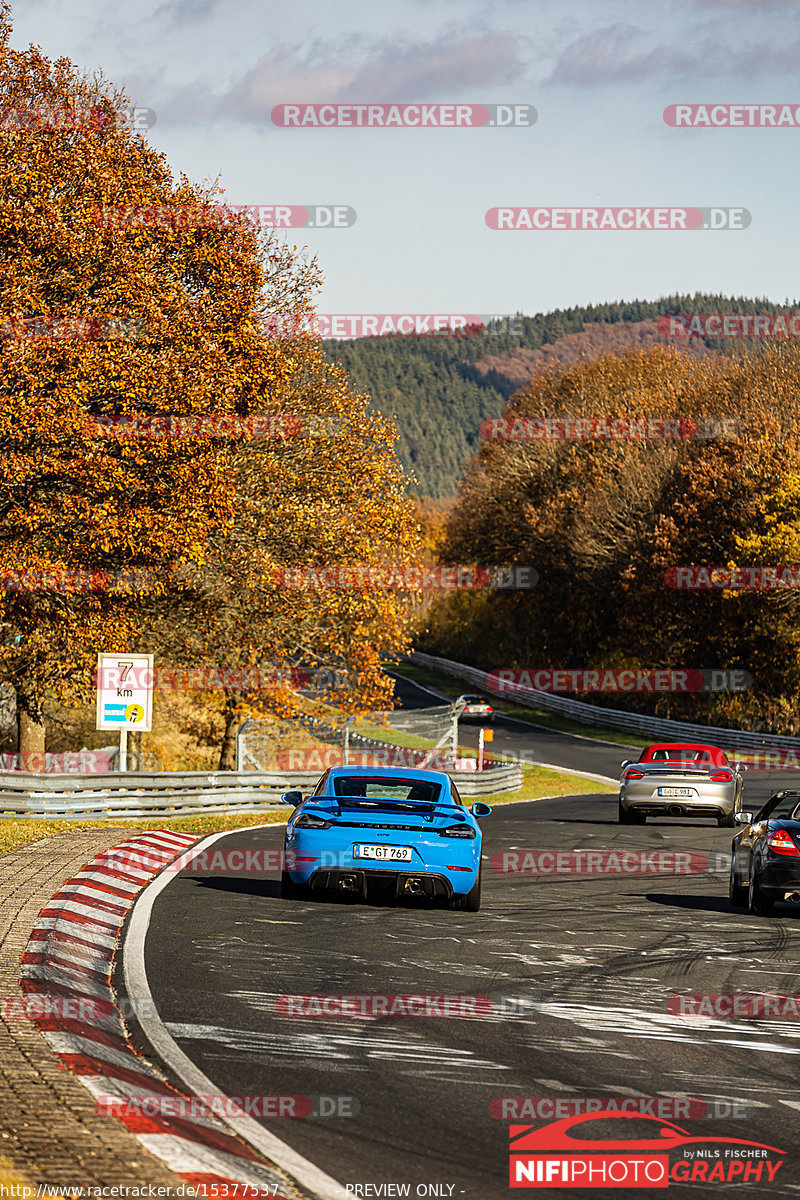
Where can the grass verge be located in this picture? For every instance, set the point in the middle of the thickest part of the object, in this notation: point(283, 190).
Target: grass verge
point(545, 781)
point(15, 834)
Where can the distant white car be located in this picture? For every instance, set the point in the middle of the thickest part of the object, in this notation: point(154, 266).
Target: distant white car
point(475, 706)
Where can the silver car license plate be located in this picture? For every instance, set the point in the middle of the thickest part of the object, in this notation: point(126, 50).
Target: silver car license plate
point(675, 791)
point(392, 853)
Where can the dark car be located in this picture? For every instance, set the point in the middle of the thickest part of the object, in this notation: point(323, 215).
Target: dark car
point(765, 855)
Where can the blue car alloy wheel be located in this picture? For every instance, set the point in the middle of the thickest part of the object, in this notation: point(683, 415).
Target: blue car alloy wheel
point(405, 834)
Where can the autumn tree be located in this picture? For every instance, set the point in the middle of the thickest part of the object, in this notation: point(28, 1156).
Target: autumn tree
point(129, 296)
point(103, 319)
point(329, 492)
point(603, 521)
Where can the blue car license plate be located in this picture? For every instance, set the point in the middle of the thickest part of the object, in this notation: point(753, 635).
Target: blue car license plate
point(392, 853)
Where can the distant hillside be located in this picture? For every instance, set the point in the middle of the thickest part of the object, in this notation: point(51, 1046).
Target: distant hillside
point(439, 389)
point(597, 337)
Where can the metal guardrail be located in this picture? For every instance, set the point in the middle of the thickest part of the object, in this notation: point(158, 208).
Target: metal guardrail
point(143, 794)
point(119, 796)
point(612, 718)
point(485, 783)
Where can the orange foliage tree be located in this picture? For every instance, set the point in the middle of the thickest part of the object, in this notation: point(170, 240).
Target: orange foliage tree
point(603, 520)
point(118, 543)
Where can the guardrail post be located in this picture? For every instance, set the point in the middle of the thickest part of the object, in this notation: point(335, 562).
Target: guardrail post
point(346, 745)
point(239, 752)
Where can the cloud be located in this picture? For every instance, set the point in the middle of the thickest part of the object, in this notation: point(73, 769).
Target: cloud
point(618, 54)
point(187, 12)
point(753, 5)
point(351, 69)
point(613, 55)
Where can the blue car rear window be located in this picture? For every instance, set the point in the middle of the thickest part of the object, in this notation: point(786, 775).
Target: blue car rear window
point(386, 788)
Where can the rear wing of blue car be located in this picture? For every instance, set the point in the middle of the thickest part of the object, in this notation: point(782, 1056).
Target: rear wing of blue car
point(426, 808)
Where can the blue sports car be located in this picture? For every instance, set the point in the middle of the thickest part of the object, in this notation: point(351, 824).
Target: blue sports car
point(405, 832)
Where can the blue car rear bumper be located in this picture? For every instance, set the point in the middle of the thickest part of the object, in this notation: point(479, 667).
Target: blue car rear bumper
point(445, 866)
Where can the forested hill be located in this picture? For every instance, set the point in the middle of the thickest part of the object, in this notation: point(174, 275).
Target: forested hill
point(439, 388)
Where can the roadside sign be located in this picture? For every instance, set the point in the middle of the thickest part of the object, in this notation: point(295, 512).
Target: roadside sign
point(485, 735)
point(125, 692)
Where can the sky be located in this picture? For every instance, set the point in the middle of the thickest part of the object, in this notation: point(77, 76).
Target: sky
point(598, 74)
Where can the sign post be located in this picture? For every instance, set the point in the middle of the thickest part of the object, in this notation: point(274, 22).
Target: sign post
point(485, 735)
point(125, 696)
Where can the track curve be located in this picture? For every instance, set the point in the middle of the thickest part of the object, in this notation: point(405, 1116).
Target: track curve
point(589, 961)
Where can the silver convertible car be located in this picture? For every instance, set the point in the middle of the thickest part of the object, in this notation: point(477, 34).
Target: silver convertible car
point(680, 779)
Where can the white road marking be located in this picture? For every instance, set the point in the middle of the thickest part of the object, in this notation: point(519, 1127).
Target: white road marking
point(334, 1041)
point(185, 1156)
point(567, 771)
point(306, 1173)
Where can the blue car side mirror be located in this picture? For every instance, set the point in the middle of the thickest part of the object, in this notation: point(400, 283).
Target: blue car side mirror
point(293, 798)
point(479, 809)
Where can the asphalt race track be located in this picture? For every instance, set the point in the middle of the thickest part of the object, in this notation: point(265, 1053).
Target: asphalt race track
point(579, 969)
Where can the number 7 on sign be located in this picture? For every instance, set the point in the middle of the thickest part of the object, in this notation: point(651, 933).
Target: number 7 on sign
point(125, 692)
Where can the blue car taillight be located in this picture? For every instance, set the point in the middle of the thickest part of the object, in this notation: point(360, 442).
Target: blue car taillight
point(310, 821)
point(458, 831)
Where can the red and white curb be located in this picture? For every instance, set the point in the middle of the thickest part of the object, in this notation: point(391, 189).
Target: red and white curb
point(69, 958)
